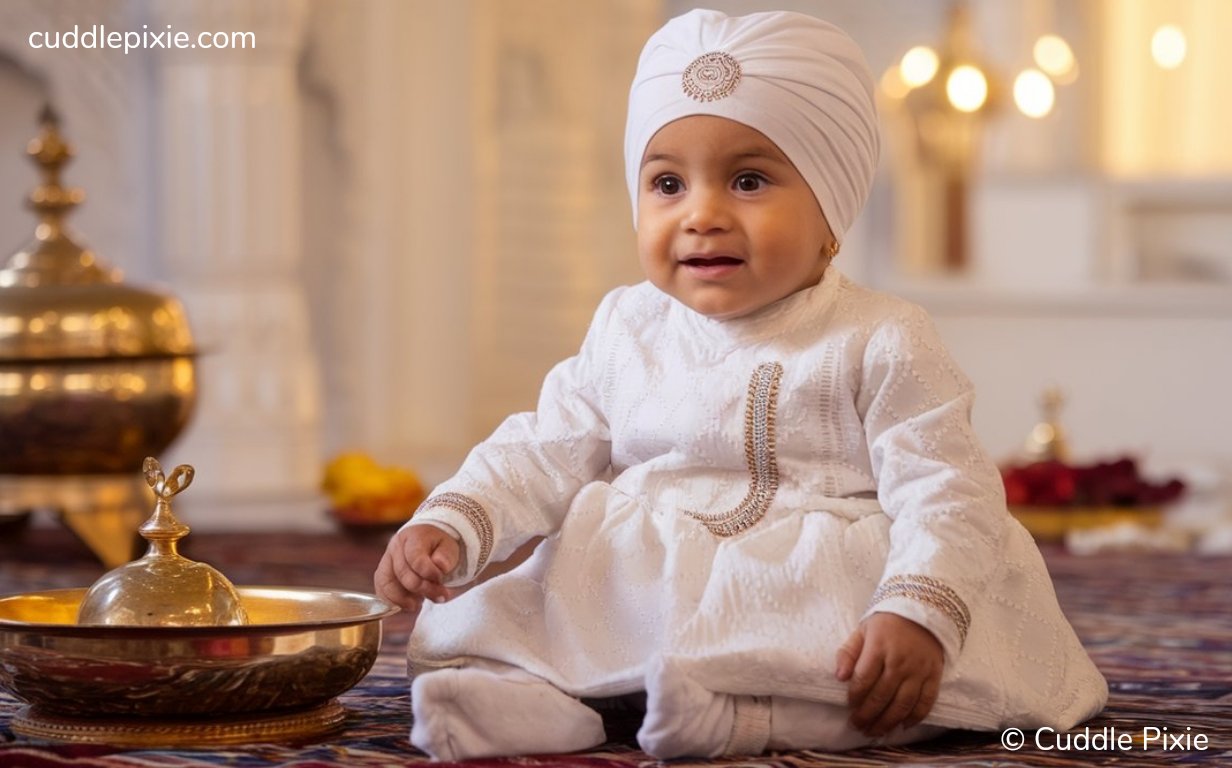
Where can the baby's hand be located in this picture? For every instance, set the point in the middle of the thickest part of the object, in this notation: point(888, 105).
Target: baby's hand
point(416, 562)
point(894, 666)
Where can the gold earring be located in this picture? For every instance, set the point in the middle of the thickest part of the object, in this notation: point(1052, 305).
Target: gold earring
point(832, 250)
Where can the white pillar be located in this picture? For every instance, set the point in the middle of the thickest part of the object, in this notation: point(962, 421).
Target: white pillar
point(397, 276)
point(485, 207)
point(227, 128)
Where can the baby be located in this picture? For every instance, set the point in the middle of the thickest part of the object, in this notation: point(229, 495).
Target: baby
point(763, 501)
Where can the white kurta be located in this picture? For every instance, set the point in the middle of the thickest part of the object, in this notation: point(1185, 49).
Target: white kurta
point(739, 494)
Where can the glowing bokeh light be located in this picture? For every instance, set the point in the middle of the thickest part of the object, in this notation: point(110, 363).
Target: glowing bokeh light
point(892, 84)
point(1053, 55)
point(1168, 46)
point(1033, 93)
point(918, 66)
point(967, 88)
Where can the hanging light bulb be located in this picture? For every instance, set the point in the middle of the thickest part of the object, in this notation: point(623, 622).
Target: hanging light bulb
point(966, 88)
point(1033, 93)
point(1168, 46)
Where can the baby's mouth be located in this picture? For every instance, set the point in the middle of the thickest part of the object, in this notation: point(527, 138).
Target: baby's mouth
point(712, 261)
point(711, 268)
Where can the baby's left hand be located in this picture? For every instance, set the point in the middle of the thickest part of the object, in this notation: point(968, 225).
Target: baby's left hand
point(894, 666)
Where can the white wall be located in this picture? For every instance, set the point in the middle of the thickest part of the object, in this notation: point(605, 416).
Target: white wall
point(1142, 377)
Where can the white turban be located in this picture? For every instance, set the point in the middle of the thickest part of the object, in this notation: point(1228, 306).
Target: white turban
point(800, 81)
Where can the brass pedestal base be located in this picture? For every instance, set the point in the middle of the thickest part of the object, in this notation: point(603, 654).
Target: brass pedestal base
point(104, 511)
point(285, 727)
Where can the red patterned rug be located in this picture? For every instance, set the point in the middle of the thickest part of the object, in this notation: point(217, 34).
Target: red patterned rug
point(1159, 627)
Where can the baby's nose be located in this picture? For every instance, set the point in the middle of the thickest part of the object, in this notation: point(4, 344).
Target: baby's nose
point(707, 212)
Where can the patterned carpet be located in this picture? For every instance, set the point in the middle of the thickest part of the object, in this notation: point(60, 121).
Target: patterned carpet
point(1159, 627)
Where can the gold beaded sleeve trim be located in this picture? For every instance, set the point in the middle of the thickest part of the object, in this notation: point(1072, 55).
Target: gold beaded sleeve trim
point(474, 514)
point(931, 591)
point(759, 455)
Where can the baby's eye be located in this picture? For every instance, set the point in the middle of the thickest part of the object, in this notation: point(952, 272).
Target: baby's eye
point(749, 182)
point(668, 185)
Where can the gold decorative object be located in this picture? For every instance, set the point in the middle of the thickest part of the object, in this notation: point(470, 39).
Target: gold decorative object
point(945, 103)
point(163, 588)
point(1053, 524)
point(1047, 439)
point(134, 681)
point(95, 374)
point(1052, 496)
point(937, 101)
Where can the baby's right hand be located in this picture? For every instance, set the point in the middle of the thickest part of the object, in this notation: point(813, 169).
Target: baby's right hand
point(416, 563)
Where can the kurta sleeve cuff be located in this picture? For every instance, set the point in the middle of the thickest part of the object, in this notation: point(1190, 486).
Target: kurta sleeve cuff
point(929, 603)
point(470, 521)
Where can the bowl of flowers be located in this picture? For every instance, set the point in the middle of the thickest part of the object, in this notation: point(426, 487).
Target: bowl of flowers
point(1052, 497)
point(366, 497)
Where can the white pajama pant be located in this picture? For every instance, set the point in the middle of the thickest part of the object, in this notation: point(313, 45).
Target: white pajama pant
point(489, 710)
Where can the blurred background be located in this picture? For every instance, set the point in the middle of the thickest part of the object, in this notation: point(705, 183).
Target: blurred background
point(390, 218)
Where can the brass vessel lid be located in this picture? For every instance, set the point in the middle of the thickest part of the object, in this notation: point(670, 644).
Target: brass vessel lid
point(163, 588)
point(58, 300)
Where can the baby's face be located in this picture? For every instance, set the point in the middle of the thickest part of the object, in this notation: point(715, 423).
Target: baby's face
point(726, 224)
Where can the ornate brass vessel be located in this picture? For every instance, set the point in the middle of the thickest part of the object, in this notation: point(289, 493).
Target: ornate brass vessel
point(95, 374)
point(128, 662)
point(300, 649)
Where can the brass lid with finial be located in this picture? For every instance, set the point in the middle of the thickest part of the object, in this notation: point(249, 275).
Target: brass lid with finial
point(59, 300)
point(163, 588)
point(1047, 439)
